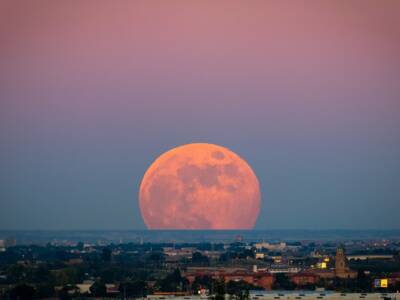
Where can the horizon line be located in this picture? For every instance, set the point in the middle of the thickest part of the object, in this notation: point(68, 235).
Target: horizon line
point(208, 230)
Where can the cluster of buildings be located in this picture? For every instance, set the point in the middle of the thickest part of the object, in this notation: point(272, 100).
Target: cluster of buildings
point(264, 277)
point(305, 265)
point(259, 278)
point(7, 243)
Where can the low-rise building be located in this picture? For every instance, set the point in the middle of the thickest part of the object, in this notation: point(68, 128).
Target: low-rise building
point(260, 278)
point(283, 268)
point(304, 279)
point(270, 246)
point(370, 256)
point(84, 288)
point(112, 288)
point(260, 255)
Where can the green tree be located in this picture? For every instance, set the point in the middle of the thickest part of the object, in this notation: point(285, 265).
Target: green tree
point(40, 274)
point(64, 293)
point(106, 254)
point(135, 289)
point(239, 289)
point(70, 275)
point(22, 292)
point(80, 246)
point(283, 282)
point(202, 282)
point(44, 291)
point(173, 282)
point(15, 273)
point(364, 282)
point(219, 289)
point(98, 289)
point(155, 259)
point(247, 253)
point(198, 258)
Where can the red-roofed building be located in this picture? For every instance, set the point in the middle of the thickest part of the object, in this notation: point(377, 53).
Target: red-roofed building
point(302, 279)
point(261, 279)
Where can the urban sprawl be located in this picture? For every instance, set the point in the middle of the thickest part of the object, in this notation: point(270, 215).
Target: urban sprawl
point(350, 269)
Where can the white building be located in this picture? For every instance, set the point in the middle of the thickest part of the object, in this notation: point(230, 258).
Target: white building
point(271, 247)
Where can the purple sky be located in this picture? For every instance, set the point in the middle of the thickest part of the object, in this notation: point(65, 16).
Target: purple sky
point(91, 92)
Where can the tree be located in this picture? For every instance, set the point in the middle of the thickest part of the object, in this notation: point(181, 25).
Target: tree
point(364, 282)
point(156, 258)
point(134, 289)
point(15, 273)
point(22, 292)
point(64, 294)
point(40, 274)
point(44, 291)
point(239, 289)
point(283, 282)
point(68, 275)
point(112, 273)
point(219, 288)
point(80, 246)
point(173, 282)
point(68, 291)
point(224, 257)
point(198, 258)
point(98, 289)
point(202, 282)
point(247, 253)
point(106, 254)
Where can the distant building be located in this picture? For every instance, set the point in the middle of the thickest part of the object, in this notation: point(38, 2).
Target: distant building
point(74, 261)
point(260, 255)
point(370, 256)
point(342, 269)
point(84, 288)
point(10, 242)
point(323, 273)
point(304, 279)
point(283, 268)
point(271, 247)
point(259, 278)
point(238, 238)
point(394, 279)
point(186, 252)
point(112, 289)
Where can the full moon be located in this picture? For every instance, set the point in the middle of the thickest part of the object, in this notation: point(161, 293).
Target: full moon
point(199, 186)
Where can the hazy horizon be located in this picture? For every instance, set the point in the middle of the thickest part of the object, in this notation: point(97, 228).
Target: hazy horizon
point(195, 236)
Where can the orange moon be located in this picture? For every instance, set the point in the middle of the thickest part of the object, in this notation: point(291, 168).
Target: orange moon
point(199, 186)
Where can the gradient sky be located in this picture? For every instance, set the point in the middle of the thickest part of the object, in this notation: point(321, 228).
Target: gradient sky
point(308, 92)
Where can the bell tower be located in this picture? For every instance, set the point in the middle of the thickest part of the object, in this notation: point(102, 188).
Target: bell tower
point(341, 261)
point(342, 269)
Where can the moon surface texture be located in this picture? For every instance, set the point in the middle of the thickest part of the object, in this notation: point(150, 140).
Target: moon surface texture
point(199, 186)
